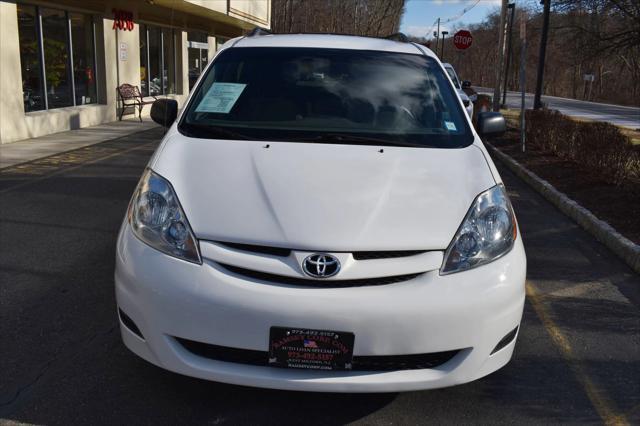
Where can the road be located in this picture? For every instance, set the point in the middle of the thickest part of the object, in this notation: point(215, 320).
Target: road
point(615, 114)
point(62, 362)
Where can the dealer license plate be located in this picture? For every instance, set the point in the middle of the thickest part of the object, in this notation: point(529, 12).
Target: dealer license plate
point(310, 349)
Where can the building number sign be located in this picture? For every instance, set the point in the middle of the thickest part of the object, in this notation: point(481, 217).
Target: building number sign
point(122, 20)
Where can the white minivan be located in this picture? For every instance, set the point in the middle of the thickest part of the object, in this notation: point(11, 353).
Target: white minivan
point(466, 100)
point(322, 216)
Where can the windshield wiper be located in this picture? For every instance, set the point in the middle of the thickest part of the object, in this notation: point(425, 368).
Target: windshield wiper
point(215, 132)
point(343, 138)
point(202, 131)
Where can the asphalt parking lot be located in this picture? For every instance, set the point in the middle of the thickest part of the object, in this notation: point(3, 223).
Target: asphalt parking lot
point(62, 362)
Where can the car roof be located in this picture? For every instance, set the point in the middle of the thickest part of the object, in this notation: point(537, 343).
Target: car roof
point(330, 41)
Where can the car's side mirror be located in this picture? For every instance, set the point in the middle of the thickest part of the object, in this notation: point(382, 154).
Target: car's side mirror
point(491, 124)
point(466, 84)
point(164, 111)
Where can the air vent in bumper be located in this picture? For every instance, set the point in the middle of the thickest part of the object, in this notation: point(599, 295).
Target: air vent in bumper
point(505, 340)
point(129, 323)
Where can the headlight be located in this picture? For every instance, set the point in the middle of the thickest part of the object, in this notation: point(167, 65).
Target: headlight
point(157, 219)
point(487, 233)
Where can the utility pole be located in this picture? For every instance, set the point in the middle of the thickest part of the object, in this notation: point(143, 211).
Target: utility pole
point(444, 33)
point(437, 36)
point(537, 103)
point(523, 78)
point(511, 6)
point(496, 91)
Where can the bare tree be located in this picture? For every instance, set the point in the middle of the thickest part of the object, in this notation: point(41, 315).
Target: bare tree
point(592, 37)
point(358, 17)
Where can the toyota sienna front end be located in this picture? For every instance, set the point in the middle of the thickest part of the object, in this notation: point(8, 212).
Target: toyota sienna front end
point(322, 216)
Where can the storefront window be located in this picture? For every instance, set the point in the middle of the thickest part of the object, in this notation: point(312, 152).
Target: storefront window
point(169, 61)
point(155, 41)
point(83, 58)
point(57, 58)
point(157, 61)
point(144, 73)
point(30, 58)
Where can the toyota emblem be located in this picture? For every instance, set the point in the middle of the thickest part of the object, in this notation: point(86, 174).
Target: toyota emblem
point(321, 265)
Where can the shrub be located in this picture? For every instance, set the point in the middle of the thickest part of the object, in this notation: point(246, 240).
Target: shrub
point(599, 146)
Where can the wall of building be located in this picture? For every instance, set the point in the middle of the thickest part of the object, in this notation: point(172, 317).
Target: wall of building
point(255, 11)
point(10, 75)
point(112, 68)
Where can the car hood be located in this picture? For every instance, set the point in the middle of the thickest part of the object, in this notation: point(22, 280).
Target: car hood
point(322, 196)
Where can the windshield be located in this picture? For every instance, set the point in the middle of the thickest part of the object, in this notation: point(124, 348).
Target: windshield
point(326, 96)
point(454, 76)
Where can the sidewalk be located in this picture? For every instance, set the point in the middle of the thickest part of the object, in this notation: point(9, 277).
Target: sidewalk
point(44, 146)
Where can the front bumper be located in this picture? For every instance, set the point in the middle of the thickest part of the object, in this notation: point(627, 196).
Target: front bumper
point(168, 298)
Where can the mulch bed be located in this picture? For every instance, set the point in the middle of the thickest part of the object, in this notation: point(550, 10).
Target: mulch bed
point(617, 205)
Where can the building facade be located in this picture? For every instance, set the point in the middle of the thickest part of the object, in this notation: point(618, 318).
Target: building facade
point(62, 61)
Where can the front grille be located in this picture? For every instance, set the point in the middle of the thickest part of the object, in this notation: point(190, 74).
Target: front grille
point(367, 255)
point(284, 252)
point(360, 363)
point(302, 282)
point(275, 251)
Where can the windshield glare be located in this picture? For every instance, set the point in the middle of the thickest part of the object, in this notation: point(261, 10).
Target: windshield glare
point(326, 95)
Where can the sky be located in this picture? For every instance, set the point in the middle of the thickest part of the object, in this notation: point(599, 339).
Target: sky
point(420, 15)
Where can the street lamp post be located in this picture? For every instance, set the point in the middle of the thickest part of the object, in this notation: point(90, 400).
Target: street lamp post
point(511, 6)
point(537, 100)
point(444, 33)
point(436, 35)
point(500, 56)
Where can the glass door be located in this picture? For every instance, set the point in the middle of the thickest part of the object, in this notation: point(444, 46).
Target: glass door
point(198, 52)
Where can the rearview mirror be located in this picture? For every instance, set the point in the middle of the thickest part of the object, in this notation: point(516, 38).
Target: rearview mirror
point(466, 84)
point(491, 124)
point(164, 111)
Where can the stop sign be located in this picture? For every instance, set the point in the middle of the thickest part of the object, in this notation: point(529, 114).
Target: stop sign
point(462, 39)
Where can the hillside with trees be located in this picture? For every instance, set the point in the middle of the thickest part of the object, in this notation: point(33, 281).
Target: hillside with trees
point(594, 37)
point(376, 18)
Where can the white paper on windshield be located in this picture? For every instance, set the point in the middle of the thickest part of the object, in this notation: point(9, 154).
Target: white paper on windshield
point(221, 97)
point(450, 126)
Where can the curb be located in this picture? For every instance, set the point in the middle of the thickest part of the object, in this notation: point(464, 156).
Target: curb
point(624, 248)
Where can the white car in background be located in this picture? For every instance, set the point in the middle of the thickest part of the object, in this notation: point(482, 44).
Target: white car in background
point(468, 103)
point(322, 216)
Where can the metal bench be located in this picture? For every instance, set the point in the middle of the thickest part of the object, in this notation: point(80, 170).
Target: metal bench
point(131, 96)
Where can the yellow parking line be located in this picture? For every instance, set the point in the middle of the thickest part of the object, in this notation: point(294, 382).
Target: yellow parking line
point(67, 169)
point(599, 400)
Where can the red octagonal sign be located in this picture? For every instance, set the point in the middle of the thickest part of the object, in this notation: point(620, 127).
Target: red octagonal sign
point(462, 39)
